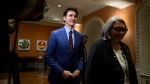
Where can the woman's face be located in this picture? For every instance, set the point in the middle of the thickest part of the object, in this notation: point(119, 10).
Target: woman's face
point(118, 31)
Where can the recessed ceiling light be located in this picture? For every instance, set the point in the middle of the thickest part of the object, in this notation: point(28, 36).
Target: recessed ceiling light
point(59, 5)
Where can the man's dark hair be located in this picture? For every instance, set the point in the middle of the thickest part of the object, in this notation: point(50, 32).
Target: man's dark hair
point(85, 36)
point(70, 9)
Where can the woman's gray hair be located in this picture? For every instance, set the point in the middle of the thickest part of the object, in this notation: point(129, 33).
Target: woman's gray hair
point(108, 25)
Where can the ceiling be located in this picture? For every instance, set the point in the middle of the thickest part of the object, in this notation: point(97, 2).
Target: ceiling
point(54, 15)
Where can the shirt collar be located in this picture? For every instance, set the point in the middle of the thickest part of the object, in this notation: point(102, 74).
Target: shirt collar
point(68, 29)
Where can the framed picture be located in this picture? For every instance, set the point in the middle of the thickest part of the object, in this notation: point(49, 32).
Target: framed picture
point(23, 44)
point(41, 45)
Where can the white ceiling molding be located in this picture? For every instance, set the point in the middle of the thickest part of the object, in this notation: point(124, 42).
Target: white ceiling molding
point(47, 22)
point(84, 7)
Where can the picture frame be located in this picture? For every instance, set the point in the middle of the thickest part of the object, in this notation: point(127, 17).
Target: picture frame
point(23, 44)
point(41, 45)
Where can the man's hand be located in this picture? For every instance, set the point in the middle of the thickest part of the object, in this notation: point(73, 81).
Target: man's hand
point(67, 75)
point(76, 73)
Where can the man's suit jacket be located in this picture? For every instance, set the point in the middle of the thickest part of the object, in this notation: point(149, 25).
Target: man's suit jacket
point(59, 56)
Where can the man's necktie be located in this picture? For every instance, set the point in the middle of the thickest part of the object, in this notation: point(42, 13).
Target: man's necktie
point(70, 40)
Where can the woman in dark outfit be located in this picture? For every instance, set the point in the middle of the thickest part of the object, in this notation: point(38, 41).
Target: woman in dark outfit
point(109, 60)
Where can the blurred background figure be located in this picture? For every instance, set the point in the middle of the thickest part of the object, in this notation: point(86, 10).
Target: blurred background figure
point(13, 12)
point(84, 42)
point(85, 39)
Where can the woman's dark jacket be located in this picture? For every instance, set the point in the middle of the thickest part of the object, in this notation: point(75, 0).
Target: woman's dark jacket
point(103, 68)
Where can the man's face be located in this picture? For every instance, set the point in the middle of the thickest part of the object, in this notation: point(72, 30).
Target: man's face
point(85, 40)
point(70, 19)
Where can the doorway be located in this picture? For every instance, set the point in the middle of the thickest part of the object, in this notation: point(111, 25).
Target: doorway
point(92, 29)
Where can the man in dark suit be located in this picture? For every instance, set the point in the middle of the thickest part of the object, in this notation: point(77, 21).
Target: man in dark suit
point(85, 39)
point(65, 56)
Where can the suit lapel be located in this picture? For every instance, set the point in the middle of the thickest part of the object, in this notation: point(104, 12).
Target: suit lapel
point(75, 40)
point(64, 36)
point(111, 55)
